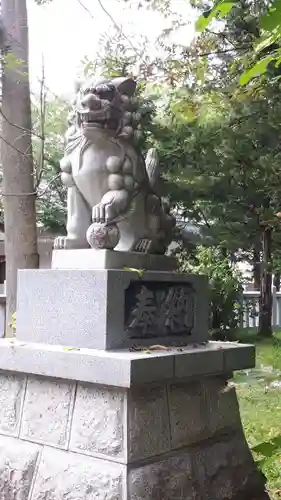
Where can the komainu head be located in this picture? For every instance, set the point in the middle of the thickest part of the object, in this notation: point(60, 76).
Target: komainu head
point(106, 103)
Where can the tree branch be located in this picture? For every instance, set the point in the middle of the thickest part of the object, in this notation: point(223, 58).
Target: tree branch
point(48, 185)
point(15, 148)
point(119, 28)
point(200, 211)
point(39, 171)
point(221, 34)
point(18, 126)
point(86, 8)
point(35, 193)
point(224, 51)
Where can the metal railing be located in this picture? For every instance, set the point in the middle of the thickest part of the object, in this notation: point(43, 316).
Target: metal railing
point(250, 315)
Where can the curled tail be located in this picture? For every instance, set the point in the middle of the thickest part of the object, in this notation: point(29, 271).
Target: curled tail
point(152, 167)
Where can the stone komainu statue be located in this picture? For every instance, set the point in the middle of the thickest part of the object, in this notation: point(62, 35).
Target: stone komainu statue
point(112, 195)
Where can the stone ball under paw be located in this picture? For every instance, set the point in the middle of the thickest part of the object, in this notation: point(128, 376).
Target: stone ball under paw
point(100, 236)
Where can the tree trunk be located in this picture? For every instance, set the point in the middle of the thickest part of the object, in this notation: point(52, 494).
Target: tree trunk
point(265, 316)
point(16, 152)
point(257, 266)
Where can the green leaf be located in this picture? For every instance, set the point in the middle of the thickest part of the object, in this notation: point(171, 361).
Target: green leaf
point(266, 41)
point(201, 70)
point(224, 9)
point(272, 19)
point(138, 271)
point(220, 10)
point(258, 69)
point(184, 110)
point(14, 321)
point(278, 62)
point(268, 448)
point(265, 449)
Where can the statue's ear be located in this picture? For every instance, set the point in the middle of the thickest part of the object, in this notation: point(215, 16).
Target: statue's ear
point(125, 86)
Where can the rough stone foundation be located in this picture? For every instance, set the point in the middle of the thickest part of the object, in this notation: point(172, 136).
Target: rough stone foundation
point(64, 440)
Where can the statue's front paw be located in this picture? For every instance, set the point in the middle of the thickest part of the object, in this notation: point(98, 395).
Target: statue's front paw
point(65, 243)
point(103, 213)
point(143, 246)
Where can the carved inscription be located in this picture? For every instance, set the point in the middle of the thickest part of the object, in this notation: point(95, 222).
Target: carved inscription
point(159, 309)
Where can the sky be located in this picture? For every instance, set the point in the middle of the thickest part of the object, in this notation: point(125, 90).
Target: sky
point(64, 32)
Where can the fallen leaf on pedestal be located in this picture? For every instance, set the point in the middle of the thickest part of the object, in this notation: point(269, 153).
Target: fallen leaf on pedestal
point(71, 349)
point(158, 347)
point(138, 271)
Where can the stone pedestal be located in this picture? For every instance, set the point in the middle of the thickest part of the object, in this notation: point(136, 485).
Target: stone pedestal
point(107, 259)
point(124, 424)
point(111, 309)
point(87, 424)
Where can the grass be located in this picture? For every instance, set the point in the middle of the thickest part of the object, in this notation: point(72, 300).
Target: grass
point(260, 405)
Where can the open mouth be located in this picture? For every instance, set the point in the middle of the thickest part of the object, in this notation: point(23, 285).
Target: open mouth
point(89, 117)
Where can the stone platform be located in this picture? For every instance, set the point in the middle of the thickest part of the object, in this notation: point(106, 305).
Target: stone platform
point(108, 259)
point(112, 391)
point(123, 368)
point(111, 309)
point(123, 425)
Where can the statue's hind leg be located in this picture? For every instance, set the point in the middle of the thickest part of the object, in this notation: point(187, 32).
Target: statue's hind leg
point(78, 221)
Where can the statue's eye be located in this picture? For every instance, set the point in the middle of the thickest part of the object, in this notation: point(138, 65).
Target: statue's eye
point(90, 90)
point(111, 87)
point(105, 92)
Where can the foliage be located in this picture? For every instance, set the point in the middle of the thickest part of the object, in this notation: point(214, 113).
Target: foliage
point(259, 396)
point(223, 155)
point(13, 323)
point(225, 283)
point(266, 49)
point(220, 9)
point(218, 143)
point(51, 200)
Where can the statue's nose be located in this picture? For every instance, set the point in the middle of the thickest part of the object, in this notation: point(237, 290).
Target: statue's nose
point(91, 101)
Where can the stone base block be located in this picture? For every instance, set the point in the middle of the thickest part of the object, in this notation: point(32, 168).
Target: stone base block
point(111, 309)
point(172, 441)
point(124, 368)
point(208, 472)
point(89, 258)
